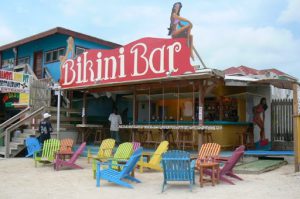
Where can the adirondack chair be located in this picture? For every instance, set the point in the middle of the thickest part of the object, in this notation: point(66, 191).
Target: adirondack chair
point(50, 147)
point(105, 150)
point(123, 153)
point(208, 150)
point(178, 167)
point(224, 159)
point(66, 145)
point(136, 145)
point(32, 145)
point(118, 176)
point(154, 162)
point(227, 169)
point(70, 163)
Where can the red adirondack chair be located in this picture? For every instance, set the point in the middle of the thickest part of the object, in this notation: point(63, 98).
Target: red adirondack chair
point(227, 169)
point(70, 163)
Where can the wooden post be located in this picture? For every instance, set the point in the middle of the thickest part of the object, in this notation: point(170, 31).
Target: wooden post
point(201, 103)
point(0, 59)
point(201, 114)
point(221, 109)
point(134, 107)
point(296, 131)
point(84, 108)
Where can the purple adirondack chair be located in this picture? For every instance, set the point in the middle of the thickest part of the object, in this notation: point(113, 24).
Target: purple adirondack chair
point(70, 163)
point(227, 169)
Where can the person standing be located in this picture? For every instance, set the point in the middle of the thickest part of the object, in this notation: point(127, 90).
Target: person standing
point(259, 119)
point(115, 121)
point(45, 128)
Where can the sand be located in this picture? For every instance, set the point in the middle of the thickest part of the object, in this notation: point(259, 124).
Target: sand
point(20, 179)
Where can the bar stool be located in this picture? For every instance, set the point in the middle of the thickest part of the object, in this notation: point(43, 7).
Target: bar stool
point(150, 139)
point(246, 138)
point(185, 139)
point(99, 136)
point(137, 136)
point(168, 135)
point(208, 137)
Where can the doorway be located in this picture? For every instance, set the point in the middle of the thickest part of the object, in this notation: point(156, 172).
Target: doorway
point(37, 64)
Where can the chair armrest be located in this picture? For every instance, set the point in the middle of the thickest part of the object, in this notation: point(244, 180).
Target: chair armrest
point(222, 159)
point(110, 164)
point(106, 148)
point(193, 164)
point(36, 153)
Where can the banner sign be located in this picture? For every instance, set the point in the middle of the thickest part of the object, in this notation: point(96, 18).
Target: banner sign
point(147, 58)
point(14, 82)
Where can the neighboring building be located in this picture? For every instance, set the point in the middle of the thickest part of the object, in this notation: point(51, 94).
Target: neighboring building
point(42, 50)
point(247, 74)
point(258, 84)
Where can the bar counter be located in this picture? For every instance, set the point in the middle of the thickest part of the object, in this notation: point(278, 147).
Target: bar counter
point(225, 133)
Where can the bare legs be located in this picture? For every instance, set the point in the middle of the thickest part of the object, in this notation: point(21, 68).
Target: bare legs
point(179, 32)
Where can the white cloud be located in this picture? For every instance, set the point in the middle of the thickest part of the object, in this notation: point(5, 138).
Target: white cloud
point(260, 48)
point(291, 13)
point(73, 8)
point(7, 35)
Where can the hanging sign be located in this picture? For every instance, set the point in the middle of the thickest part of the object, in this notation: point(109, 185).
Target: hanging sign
point(147, 58)
point(14, 82)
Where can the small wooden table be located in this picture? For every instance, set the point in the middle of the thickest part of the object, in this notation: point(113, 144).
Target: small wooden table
point(215, 172)
point(86, 130)
point(63, 154)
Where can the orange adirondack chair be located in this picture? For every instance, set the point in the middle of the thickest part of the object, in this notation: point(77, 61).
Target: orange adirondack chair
point(66, 145)
point(208, 150)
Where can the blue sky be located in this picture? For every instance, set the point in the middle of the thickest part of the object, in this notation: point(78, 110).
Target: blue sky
point(256, 33)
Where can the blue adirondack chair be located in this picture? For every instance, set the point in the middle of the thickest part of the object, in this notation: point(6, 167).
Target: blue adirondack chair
point(32, 145)
point(177, 166)
point(118, 176)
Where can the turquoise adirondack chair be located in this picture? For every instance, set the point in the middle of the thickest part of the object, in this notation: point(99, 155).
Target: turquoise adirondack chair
point(178, 167)
point(118, 177)
point(50, 147)
point(32, 145)
point(123, 153)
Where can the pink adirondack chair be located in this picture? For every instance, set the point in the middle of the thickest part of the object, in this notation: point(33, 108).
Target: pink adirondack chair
point(70, 163)
point(227, 169)
point(136, 145)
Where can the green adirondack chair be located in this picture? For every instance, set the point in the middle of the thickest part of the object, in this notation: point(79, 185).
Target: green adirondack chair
point(123, 153)
point(50, 147)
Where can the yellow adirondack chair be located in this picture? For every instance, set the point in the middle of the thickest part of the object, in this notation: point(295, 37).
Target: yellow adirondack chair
point(105, 150)
point(47, 154)
point(154, 162)
point(123, 153)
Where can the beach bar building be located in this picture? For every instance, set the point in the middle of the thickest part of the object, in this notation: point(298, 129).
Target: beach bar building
point(161, 96)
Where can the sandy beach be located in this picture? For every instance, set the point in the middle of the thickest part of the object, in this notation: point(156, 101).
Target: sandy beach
point(20, 179)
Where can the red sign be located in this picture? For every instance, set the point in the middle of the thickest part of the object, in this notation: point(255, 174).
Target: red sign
point(147, 58)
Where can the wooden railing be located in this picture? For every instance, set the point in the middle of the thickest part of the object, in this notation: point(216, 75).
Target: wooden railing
point(12, 120)
point(47, 75)
point(26, 68)
point(64, 100)
point(13, 127)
